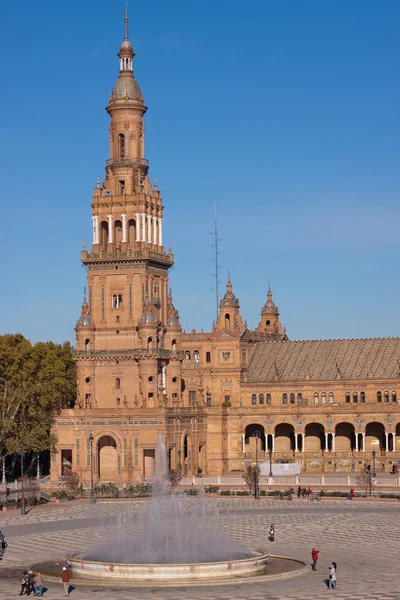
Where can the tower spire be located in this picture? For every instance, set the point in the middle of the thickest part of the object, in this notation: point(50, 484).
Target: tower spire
point(126, 22)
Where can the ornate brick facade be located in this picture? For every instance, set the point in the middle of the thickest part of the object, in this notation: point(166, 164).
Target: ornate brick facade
point(327, 404)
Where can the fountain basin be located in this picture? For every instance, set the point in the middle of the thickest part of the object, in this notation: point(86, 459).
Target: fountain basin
point(85, 569)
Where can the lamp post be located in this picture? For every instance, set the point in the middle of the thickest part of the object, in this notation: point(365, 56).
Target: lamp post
point(22, 479)
point(270, 460)
point(91, 438)
point(373, 462)
point(257, 436)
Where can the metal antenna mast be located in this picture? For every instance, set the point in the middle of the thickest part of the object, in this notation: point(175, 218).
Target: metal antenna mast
point(215, 245)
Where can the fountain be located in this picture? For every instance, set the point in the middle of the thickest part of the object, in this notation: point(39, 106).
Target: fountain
point(178, 539)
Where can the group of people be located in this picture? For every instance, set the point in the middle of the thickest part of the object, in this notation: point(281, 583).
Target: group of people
point(331, 581)
point(33, 582)
point(303, 492)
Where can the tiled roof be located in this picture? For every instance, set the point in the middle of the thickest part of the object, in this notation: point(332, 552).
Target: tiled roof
point(325, 360)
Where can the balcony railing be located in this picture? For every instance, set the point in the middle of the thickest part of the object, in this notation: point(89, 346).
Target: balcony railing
point(127, 162)
point(135, 352)
point(126, 256)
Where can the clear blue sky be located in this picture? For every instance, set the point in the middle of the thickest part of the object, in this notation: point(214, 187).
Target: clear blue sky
point(285, 113)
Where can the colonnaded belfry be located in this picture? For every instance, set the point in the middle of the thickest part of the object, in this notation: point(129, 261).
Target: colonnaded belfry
point(326, 404)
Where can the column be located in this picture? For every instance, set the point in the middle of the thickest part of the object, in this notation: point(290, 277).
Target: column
point(243, 442)
point(155, 230)
point(394, 441)
point(387, 441)
point(266, 442)
point(160, 232)
point(363, 442)
point(273, 442)
point(333, 442)
point(123, 227)
point(303, 445)
point(356, 448)
point(296, 442)
point(137, 227)
point(149, 228)
point(110, 229)
point(143, 227)
point(326, 442)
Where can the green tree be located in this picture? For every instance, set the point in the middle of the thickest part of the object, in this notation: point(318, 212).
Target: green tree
point(36, 382)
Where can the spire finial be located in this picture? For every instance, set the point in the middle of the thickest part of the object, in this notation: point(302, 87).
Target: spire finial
point(84, 295)
point(269, 287)
point(126, 21)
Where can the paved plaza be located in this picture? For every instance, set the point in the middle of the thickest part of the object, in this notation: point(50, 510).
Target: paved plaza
point(361, 536)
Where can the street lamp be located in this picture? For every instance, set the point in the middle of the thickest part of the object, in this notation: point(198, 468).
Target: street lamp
point(270, 460)
point(91, 438)
point(22, 479)
point(373, 459)
point(257, 436)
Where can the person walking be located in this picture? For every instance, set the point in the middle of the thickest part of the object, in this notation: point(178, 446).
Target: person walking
point(272, 533)
point(38, 585)
point(314, 554)
point(31, 578)
point(66, 578)
point(332, 577)
point(24, 583)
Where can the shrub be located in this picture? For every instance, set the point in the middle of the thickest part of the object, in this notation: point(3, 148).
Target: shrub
point(227, 493)
point(138, 490)
point(211, 489)
point(243, 493)
point(192, 492)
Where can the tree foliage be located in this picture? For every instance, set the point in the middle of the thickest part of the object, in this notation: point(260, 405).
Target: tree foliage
point(36, 382)
point(250, 476)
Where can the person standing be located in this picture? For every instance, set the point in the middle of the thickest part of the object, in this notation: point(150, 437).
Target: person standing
point(66, 578)
point(38, 585)
point(314, 554)
point(272, 533)
point(332, 577)
point(31, 578)
point(299, 492)
point(24, 583)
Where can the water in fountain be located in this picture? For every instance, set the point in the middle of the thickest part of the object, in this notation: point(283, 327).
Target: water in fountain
point(173, 528)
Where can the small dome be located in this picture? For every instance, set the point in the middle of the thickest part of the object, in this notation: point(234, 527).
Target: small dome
point(147, 317)
point(126, 87)
point(126, 45)
point(173, 322)
point(85, 321)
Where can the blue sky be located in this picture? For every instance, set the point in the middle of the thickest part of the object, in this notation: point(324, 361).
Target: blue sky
point(284, 113)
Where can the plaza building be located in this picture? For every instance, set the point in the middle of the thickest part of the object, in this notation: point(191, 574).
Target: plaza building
point(326, 404)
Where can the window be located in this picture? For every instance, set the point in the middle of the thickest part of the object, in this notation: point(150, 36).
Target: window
point(192, 397)
point(394, 396)
point(117, 318)
point(284, 398)
point(347, 396)
point(118, 401)
point(254, 399)
point(174, 380)
point(87, 344)
point(88, 401)
point(187, 355)
point(299, 397)
point(196, 356)
point(355, 397)
point(331, 398)
point(150, 379)
point(323, 397)
point(173, 345)
point(261, 398)
point(268, 322)
point(379, 396)
point(362, 396)
point(117, 383)
point(209, 401)
point(121, 186)
point(174, 395)
point(244, 357)
point(117, 301)
point(121, 145)
point(87, 379)
point(150, 395)
point(386, 394)
point(208, 357)
point(268, 399)
point(292, 398)
point(149, 342)
point(316, 398)
point(227, 320)
point(117, 331)
point(227, 399)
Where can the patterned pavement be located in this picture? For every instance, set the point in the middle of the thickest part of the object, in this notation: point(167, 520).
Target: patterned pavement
point(362, 537)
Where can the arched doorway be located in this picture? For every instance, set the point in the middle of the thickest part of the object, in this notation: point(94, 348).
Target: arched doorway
point(375, 437)
point(117, 232)
point(104, 236)
point(149, 461)
point(315, 437)
point(250, 440)
point(131, 233)
point(345, 438)
point(107, 457)
point(284, 437)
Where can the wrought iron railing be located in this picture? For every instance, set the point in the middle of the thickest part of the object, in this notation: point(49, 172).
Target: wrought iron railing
point(126, 161)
